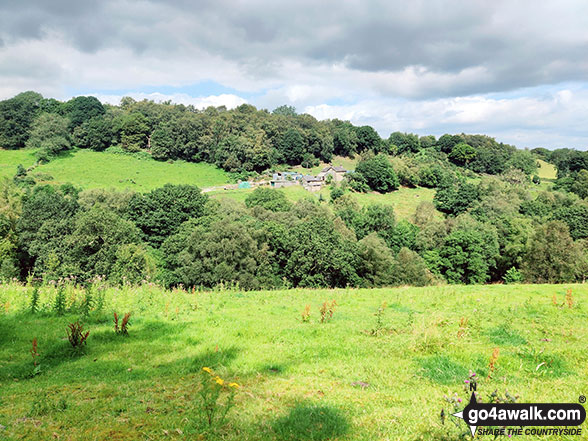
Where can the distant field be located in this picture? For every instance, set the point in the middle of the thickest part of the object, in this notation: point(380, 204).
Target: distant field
point(348, 379)
point(9, 160)
point(404, 200)
point(89, 169)
point(546, 171)
point(294, 193)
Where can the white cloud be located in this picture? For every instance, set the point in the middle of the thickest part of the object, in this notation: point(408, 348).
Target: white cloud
point(228, 100)
point(430, 67)
point(555, 119)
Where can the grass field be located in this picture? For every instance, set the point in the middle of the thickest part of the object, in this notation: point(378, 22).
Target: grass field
point(546, 171)
point(294, 193)
point(9, 160)
point(404, 201)
point(89, 169)
point(347, 379)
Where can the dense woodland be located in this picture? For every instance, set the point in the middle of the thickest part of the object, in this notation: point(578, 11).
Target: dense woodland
point(498, 223)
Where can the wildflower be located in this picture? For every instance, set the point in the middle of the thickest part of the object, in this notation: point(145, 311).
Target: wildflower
point(234, 385)
point(219, 381)
point(207, 369)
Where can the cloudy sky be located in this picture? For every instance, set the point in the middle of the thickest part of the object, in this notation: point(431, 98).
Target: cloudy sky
point(515, 70)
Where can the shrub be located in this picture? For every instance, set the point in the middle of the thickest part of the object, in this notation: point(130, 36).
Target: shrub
point(378, 174)
point(327, 311)
point(76, 335)
point(268, 198)
point(306, 314)
point(357, 182)
point(59, 304)
point(336, 193)
point(35, 300)
point(309, 161)
point(513, 275)
point(123, 329)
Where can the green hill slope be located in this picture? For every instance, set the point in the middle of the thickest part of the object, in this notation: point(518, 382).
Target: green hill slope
point(89, 169)
point(346, 379)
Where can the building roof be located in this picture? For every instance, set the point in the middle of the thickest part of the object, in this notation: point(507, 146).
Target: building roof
point(337, 168)
point(277, 176)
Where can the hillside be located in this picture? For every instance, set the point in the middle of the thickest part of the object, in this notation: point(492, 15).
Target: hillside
point(89, 169)
point(347, 379)
point(404, 200)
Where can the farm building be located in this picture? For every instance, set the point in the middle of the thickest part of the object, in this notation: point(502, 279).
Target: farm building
point(312, 183)
point(337, 172)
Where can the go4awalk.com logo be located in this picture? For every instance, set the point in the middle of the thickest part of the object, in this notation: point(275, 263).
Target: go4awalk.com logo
point(496, 419)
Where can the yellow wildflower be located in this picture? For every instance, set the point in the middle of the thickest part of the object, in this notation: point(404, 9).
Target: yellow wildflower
point(207, 369)
point(219, 380)
point(234, 385)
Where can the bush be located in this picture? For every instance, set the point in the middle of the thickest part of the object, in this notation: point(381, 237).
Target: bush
point(309, 161)
point(336, 193)
point(268, 198)
point(378, 174)
point(411, 269)
point(456, 199)
point(122, 328)
point(76, 335)
point(513, 275)
point(357, 182)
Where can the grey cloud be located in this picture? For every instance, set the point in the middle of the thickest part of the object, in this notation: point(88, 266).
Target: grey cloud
point(513, 43)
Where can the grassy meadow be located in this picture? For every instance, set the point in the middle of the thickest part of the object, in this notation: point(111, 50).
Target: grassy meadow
point(546, 171)
point(89, 169)
point(358, 376)
point(405, 200)
point(9, 160)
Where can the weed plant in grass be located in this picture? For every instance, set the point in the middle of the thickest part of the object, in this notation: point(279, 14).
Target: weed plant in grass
point(298, 380)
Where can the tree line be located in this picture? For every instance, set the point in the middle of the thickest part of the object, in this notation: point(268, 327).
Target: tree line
point(242, 140)
point(493, 231)
point(489, 221)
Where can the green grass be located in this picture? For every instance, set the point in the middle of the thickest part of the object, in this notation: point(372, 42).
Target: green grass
point(89, 169)
point(300, 381)
point(9, 160)
point(546, 171)
point(404, 200)
point(293, 193)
